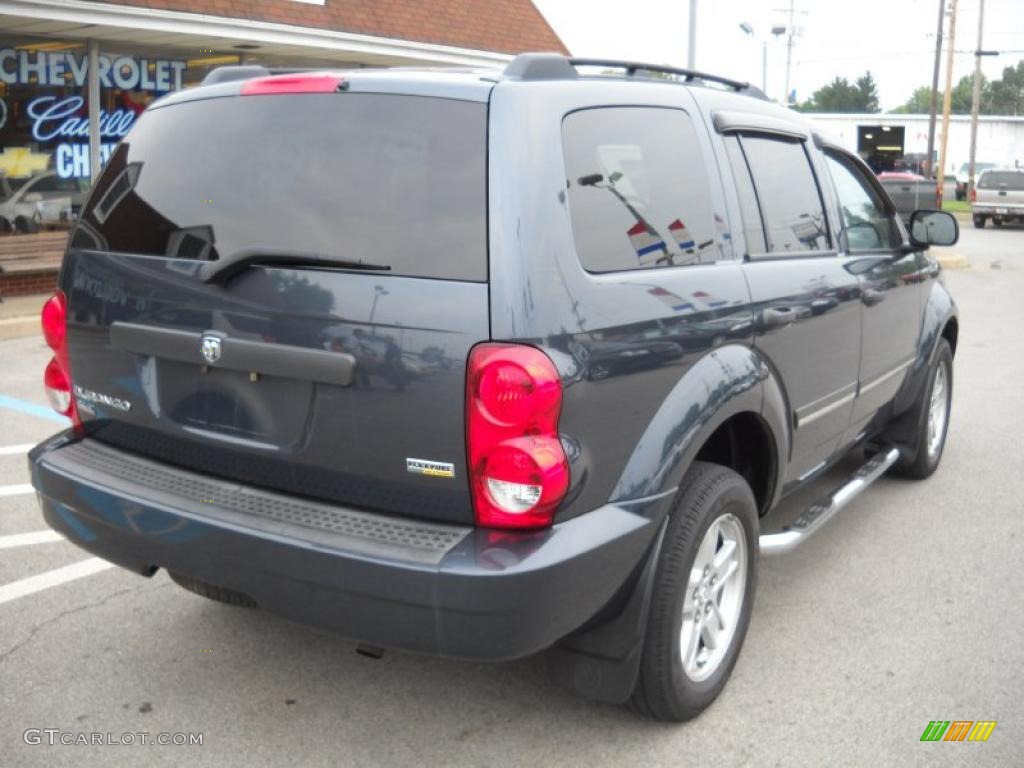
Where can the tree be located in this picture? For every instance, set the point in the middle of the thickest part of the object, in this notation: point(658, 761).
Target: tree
point(998, 97)
point(1007, 94)
point(842, 96)
point(867, 93)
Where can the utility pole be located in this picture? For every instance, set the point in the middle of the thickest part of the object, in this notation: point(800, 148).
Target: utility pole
point(930, 161)
point(976, 100)
point(789, 50)
point(691, 54)
point(947, 99)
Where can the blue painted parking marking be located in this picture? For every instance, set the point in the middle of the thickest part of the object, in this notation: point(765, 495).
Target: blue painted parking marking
point(39, 411)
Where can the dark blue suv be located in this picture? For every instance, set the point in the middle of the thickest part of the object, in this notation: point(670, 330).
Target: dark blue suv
point(482, 364)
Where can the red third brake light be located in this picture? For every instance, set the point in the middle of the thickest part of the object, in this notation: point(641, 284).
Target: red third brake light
point(57, 378)
point(304, 83)
point(518, 471)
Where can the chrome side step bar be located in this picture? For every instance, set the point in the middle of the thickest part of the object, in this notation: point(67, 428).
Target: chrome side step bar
point(823, 510)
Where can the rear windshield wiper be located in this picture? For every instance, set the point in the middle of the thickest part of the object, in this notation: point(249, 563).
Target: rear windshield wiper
point(222, 270)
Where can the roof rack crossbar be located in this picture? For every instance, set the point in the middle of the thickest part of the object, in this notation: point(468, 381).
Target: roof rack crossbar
point(550, 66)
point(632, 67)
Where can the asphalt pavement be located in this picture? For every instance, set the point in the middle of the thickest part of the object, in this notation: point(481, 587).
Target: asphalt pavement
point(906, 608)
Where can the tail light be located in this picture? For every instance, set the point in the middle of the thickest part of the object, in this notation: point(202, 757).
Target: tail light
point(57, 378)
point(519, 473)
point(974, 195)
point(273, 85)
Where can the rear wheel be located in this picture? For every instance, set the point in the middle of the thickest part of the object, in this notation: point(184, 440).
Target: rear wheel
point(979, 222)
point(212, 592)
point(702, 596)
point(933, 420)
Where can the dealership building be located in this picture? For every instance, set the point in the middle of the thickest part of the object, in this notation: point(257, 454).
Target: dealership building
point(895, 141)
point(53, 51)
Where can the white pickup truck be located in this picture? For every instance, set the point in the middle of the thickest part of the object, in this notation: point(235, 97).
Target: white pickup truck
point(998, 195)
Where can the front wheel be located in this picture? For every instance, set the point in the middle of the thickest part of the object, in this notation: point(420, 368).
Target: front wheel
point(933, 417)
point(702, 595)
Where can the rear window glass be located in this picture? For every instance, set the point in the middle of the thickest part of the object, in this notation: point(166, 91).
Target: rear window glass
point(395, 180)
point(1002, 180)
point(639, 190)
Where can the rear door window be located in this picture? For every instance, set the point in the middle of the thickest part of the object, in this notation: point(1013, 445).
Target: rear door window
point(791, 205)
point(395, 180)
point(639, 190)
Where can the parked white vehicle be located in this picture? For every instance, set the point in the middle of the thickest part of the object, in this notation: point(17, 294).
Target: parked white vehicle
point(43, 200)
point(999, 196)
point(963, 177)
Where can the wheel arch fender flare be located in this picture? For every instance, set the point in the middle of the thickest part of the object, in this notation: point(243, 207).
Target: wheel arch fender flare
point(731, 380)
point(938, 312)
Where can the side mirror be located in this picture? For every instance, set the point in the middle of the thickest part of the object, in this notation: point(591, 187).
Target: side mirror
point(929, 228)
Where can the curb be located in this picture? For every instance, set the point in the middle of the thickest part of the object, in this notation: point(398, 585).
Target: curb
point(19, 327)
point(952, 261)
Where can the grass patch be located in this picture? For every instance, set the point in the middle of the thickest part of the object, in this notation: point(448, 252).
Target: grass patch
point(956, 206)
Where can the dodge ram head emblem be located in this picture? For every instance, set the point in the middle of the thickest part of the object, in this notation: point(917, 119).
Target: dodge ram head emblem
point(211, 349)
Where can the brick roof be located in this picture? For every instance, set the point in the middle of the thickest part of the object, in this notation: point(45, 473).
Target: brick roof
point(505, 26)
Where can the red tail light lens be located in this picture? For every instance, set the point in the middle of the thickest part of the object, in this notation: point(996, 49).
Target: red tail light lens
point(57, 378)
point(55, 316)
point(974, 195)
point(519, 472)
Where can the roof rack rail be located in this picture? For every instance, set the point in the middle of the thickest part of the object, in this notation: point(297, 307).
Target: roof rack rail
point(553, 66)
point(232, 72)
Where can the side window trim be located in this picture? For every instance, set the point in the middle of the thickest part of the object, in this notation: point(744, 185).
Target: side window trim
point(832, 250)
point(757, 199)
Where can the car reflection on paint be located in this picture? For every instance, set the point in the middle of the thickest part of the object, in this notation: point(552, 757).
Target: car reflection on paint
point(602, 359)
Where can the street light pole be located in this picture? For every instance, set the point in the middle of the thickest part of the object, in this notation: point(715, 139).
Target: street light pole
point(976, 100)
point(691, 54)
point(789, 51)
point(930, 161)
point(748, 29)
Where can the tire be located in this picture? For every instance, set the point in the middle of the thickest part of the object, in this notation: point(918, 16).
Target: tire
point(668, 688)
point(211, 592)
point(24, 226)
point(928, 452)
point(979, 222)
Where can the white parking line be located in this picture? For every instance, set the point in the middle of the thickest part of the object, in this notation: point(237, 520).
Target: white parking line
point(16, 490)
point(27, 539)
point(9, 450)
point(34, 584)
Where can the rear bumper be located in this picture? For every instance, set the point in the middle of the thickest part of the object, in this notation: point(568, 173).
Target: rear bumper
point(439, 589)
point(995, 209)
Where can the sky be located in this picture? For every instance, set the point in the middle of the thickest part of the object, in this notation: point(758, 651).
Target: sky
point(894, 39)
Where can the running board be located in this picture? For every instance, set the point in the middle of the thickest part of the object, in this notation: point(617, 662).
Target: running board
point(823, 510)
